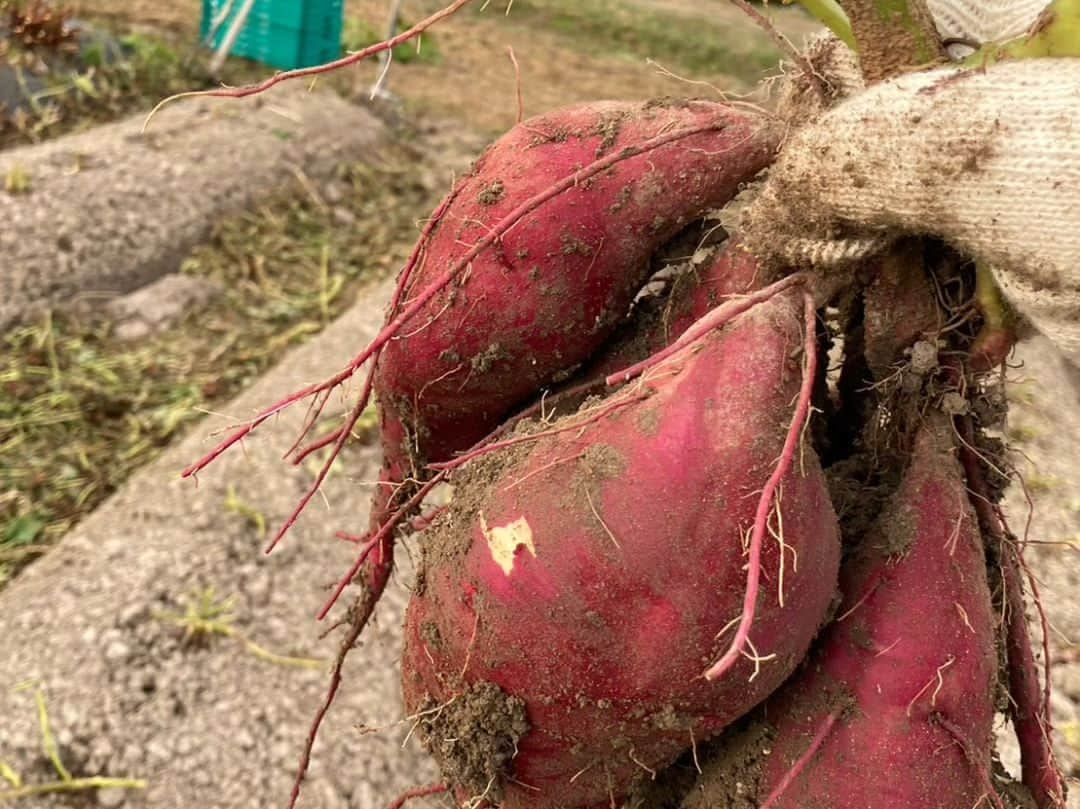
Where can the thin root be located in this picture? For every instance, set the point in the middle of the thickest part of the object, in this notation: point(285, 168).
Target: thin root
point(720, 316)
point(815, 744)
point(317, 70)
point(1040, 771)
point(765, 502)
point(418, 792)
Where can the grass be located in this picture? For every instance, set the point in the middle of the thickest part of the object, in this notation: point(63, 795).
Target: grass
point(80, 410)
point(690, 44)
point(205, 616)
point(65, 781)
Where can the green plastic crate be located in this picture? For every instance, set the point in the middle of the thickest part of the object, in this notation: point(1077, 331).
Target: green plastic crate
point(285, 34)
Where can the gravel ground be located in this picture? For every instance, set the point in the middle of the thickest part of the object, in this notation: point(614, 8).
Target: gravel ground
point(214, 726)
point(111, 209)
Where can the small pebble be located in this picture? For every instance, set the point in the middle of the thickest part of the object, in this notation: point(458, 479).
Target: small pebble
point(112, 797)
point(117, 652)
point(157, 751)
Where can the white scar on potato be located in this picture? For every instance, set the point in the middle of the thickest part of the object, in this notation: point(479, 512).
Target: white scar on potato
point(505, 540)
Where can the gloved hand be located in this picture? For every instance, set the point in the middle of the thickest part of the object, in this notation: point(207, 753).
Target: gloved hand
point(987, 160)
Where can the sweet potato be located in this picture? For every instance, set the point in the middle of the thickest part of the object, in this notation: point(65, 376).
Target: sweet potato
point(656, 321)
point(551, 287)
point(895, 707)
point(586, 576)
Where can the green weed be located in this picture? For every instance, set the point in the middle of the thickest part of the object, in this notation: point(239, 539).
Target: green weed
point(691, 44)
point(65, 781)
point(205, 617)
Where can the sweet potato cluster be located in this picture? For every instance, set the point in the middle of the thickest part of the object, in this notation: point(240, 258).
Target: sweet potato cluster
point(720, 533)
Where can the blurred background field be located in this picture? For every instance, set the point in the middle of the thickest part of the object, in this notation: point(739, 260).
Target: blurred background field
point(83, 408)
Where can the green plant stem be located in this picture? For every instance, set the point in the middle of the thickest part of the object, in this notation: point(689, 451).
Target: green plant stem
point(279, 660)
point(10, 775)
point(210, 618)
point(829, 14)
point(48, 741)
point(892, 36)
point(995, 309)
point(66, 782)
point(72, 785)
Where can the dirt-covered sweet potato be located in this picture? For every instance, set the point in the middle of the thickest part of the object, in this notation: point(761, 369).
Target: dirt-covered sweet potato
point(584, 578)
point(567, 250)
point(895, 708)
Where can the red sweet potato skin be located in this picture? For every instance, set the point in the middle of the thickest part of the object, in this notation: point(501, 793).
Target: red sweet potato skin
point(909, 667)
point(550, 291)
point(730, 271)
point(592, 577)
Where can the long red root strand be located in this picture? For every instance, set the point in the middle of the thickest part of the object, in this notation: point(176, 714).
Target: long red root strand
point(588, 417)
point(243, 432)
point(378, 574)
point(315, 409)
point(344, 374)
point(317, 70)
point(1044, 622)
point(416, 258)
point(377, 552)
point(1040, 771)
point(385, 531)
point(765, 503)
point(714, 319)
point(815, 744)
point(339, 444)
point(304, 453)
point(339, 437)
point(419, 792)
point(1031, 718)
